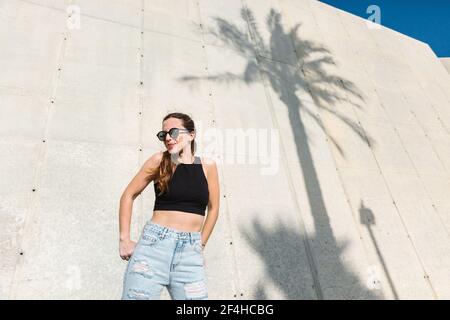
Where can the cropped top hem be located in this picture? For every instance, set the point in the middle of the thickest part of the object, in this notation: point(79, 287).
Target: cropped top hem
point(180, 207)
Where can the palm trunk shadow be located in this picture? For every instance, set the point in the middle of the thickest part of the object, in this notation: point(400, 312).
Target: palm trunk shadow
point(279, 248)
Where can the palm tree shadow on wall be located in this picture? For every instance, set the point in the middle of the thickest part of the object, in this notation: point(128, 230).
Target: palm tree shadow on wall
point(281, 261)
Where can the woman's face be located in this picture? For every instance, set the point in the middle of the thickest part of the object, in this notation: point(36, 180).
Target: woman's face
point(175, 145)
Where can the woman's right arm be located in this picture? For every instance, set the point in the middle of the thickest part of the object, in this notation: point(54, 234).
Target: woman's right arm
point(134, 188)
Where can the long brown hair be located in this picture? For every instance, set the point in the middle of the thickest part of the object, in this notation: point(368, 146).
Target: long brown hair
point(163, 173)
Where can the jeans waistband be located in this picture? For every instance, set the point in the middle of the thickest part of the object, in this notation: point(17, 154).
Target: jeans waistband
point(164, 231)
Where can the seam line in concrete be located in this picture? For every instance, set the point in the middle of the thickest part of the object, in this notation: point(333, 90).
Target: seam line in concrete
point(41, 161)
point(236, 278)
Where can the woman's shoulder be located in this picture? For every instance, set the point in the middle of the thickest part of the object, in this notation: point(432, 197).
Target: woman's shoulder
point(208, 161)
point(154, 160)
point(209, 165)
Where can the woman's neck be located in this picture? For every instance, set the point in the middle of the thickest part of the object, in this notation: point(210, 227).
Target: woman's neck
point(186, 159)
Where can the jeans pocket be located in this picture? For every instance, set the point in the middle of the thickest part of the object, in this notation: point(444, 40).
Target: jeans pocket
point(197, 244)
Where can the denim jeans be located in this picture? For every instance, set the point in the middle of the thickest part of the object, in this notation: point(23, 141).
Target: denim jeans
point(166, 257)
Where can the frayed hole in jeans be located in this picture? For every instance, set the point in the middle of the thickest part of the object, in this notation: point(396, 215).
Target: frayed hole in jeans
point(142, 268)
point(196, 290)
point(138, 294)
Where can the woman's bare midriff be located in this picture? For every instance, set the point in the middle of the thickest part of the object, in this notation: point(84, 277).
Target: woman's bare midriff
point(179, 220)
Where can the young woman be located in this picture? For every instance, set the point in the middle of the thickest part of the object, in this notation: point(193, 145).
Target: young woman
point(170, 248)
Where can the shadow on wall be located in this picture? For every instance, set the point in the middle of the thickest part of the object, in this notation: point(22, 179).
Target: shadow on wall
point(278, 247)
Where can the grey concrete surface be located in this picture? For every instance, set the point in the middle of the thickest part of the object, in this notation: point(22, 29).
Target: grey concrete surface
point(446, 63)
point(345, 198)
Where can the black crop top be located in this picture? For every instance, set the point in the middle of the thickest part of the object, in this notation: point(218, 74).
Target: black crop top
point(188, 189)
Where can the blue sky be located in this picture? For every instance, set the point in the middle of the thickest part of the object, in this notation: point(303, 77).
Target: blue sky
point(428, 21)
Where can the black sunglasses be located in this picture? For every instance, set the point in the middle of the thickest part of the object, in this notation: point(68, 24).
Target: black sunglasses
point(174, 132)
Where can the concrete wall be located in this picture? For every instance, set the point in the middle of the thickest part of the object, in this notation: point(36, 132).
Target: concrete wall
point(357, 207)
point(446, 63)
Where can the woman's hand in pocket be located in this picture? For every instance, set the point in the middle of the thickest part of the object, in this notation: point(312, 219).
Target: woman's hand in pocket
point(126, 249)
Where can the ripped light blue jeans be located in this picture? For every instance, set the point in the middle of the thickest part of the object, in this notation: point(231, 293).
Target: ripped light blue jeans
point(166, 257)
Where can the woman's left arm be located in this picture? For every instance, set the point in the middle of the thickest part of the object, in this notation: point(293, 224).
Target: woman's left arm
point(213, 203)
